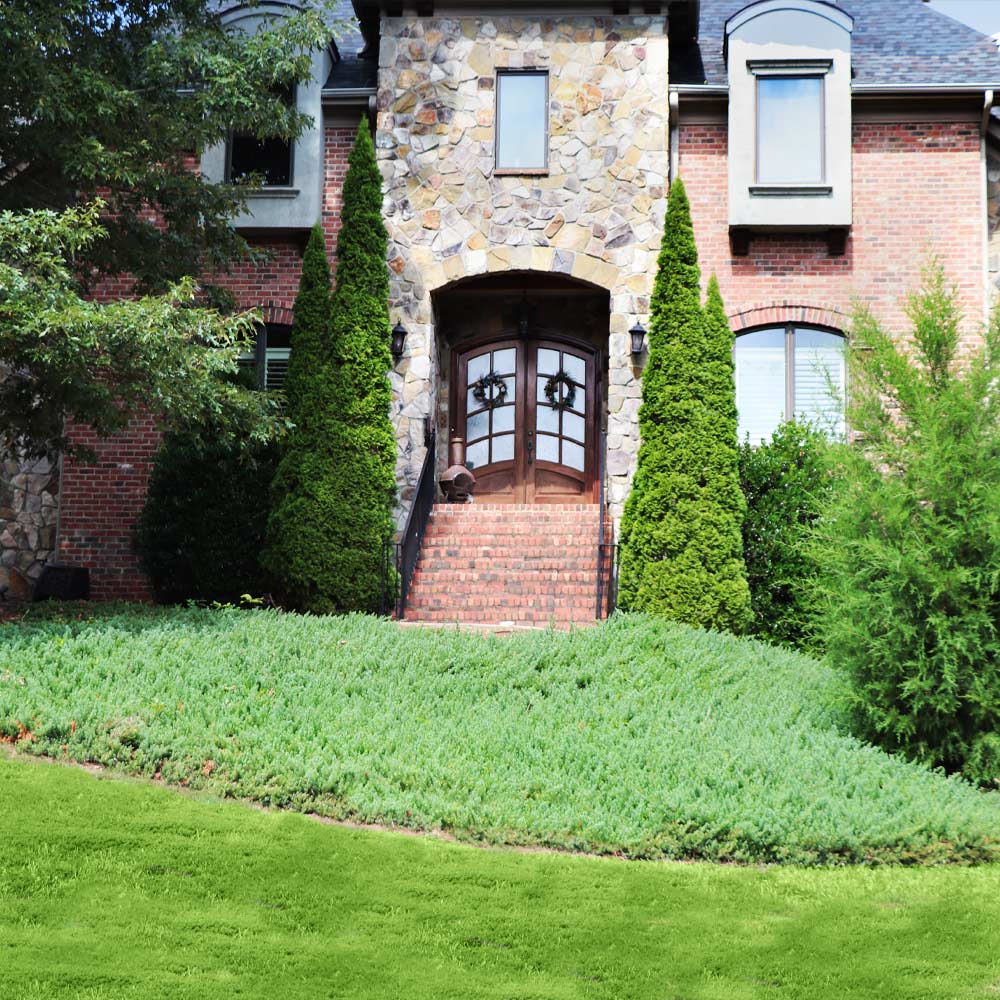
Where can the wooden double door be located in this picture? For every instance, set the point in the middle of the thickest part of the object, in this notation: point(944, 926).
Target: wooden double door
point(528, 411)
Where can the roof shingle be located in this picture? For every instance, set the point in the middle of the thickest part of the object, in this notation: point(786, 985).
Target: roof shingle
point(895, 43)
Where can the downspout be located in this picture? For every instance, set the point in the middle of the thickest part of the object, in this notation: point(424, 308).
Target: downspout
point(988, 100)
point(675, 114)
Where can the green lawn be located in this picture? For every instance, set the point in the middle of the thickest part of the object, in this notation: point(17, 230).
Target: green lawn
point(120, 889)
point(638, 737)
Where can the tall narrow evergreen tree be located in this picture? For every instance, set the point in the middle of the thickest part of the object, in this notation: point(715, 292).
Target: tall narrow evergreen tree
point(681, 547)
point(298, 538)
point(363, 481)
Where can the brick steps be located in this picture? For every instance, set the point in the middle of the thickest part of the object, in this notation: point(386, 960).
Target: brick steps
point(527, 564)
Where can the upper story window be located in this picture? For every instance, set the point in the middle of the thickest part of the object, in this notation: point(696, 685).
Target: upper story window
point(790, 136)
point(522, 121)
point(268, 159)
point(789, 371)
point(789, 164)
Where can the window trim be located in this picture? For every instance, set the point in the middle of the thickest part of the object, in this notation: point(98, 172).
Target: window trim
point(798, 69)
point(262, 353)
point(275, 190)
point(499, 171)
point(790, 328)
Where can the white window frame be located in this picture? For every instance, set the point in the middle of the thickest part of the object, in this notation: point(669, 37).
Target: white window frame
point(798, 69)
point(790, 329)
point(523, 171)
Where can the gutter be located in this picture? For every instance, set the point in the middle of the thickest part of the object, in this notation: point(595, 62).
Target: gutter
point(873, 89)
point(675, 153)
point(699, 89)
point(923, 88)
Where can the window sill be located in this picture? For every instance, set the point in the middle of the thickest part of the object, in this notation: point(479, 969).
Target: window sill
point(520, 171)
point(274, 192)
point(790, 190)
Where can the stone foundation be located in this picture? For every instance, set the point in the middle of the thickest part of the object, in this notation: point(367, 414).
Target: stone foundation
point(29, 511)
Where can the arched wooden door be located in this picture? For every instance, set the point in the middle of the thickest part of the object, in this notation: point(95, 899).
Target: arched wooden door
point(528, 412)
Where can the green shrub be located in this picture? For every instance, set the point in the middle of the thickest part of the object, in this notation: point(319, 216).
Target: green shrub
point(298, 537)
point(785, 481)
point(909, 550)
point(335, 489)
point(638, 736)
point(681, 550)
point(203, 523)
point(363, 477)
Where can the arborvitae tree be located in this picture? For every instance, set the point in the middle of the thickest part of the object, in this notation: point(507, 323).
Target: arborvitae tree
point(681, 547)
point(299, 536)
point(363, 481)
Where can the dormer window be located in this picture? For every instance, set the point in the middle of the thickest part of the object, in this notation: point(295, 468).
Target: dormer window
point(790, 141)
point(289, 197)
point(789, 67)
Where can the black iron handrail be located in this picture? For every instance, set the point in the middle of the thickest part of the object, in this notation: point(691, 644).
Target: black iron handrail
point(412, 536)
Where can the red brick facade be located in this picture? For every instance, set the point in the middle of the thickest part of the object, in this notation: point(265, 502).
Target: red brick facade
point(918, 189)
point(100, 503)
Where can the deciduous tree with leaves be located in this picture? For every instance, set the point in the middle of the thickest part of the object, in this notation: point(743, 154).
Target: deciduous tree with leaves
point(117, 98)
point(64, 358)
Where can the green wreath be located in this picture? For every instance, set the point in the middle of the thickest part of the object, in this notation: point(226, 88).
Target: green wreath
point(483, 390)
point(560, 400)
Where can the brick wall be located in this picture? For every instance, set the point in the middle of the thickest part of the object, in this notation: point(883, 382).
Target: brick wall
point(100, 503)
point(917, 189)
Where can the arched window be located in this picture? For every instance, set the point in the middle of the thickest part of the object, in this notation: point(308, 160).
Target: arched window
point(789, 371)
point(270, 359)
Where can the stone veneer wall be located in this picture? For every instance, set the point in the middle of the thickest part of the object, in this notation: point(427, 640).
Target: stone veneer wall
point(29, 510)
point(596, 216)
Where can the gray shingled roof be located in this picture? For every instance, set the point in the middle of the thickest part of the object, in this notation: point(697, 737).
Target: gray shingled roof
point(895, 43)
point(351, 72)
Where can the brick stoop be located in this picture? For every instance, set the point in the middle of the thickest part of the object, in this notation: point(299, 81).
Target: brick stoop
point(529, 564)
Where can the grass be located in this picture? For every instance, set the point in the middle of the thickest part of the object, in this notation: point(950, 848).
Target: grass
point(641, 738)
point(121, 890)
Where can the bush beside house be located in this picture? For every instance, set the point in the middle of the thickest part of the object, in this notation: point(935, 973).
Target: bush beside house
point(298, 534)
point(362, 479)
point(681, 549)
point(203, 526)
point(908, 550)
point(785, 481)
point(335, 488)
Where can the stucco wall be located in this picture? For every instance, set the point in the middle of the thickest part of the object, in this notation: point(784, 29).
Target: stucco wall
point(597, 216)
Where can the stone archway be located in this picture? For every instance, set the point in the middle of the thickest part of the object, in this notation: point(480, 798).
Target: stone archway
point(538, 327)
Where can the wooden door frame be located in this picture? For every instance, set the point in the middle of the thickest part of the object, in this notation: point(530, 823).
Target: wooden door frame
point(457, 396)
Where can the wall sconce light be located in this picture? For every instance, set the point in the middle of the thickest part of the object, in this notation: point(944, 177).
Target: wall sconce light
point(398, 340)
point(638, 335)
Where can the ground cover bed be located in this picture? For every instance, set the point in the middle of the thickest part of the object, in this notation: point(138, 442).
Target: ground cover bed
point(122, 890)
point(638, 737)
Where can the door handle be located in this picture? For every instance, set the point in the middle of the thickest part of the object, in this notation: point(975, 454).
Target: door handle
point(531, 447)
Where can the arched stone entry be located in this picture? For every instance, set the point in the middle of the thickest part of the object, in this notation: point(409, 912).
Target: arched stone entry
point(523, 363)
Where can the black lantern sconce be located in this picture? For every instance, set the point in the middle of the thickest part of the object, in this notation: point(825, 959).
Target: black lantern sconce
point(638, 335)
point(398, 340)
